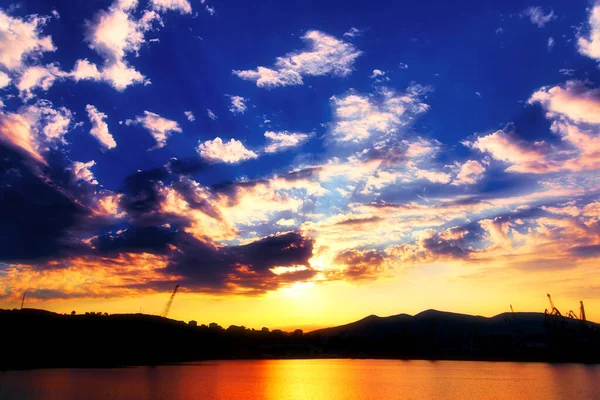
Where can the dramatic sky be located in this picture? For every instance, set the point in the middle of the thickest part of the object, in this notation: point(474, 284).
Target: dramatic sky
point(299, 163)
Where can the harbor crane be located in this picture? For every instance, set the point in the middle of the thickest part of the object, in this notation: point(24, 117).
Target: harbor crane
point(553, 310)
point(24, 293)
point(165, 311)
point(581, 311)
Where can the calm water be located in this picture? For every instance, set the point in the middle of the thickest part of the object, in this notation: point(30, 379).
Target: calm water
point(311, 379)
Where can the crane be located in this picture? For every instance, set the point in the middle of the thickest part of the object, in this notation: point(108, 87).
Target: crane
point(553, 310)
point(581, 311)
point(23, 300)
point(165, 311)
point(511, 309)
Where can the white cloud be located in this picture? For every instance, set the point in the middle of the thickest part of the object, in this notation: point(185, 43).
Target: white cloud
point(286, 222)
point(38, 76)
point(403, 66)
point(21, 38)
point(116, 32)
point(376, 73)
point(358, 117)
point(190, 116)
point(325, 55)
point(353, 32)
point(82, 172)
point(210, 10)
point(279, 141)
point(589, 45)
point(229, 152)
point(160, 128)
point(551, 43)
point(4, 80)
point(211, 114)
point(35, 128)
point(537, 17)
point(183, 6)
point(99, 127)
point(238, 104)
point(113, 34)
point(573, 100)
point(469, 173)
point(55, 14)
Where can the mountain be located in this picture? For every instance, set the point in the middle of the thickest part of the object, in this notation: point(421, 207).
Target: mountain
point(446, 323)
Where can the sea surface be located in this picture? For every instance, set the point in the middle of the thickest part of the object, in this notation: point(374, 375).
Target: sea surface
point(310, 379)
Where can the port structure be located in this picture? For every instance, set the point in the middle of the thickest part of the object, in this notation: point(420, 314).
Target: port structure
point(165, 311)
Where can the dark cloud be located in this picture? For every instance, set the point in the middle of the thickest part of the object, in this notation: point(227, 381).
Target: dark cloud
point(204, 266)
point(359, 264)
point(37, 213)
point(186, 166)
point(592, 250)
point(359, 221)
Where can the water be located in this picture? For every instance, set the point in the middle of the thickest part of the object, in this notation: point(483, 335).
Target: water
point(310, 380)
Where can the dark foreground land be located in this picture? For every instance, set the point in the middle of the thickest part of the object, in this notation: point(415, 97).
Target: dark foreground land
point(37, 339)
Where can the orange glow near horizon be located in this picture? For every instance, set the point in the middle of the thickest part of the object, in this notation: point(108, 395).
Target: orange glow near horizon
point(453, 287)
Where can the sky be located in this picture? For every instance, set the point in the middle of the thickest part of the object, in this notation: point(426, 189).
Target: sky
point(299, 164)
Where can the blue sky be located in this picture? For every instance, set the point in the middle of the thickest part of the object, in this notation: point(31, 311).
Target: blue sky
point(346, 140)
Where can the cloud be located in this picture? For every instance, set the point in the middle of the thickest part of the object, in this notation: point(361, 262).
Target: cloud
point(469, 173)
point(183, 6)
point(537, 17)
point(4, 80)
point(358, 117)
point(430, 245)
point(522, 157)
point(113, 33)
point(82, 172)
point(573, 100)
point(211, 114)
point(116, 32)
point(36, 128)
point(376, 73)
point(589, 45)
point(551, 43)
point(403, 66)
point(284, 140)
point(160, 128)
point(38, 77)
point(353, 32)
point(359, 264)
point(100, 128)
point(21, 39)
point(190, 116)
point(238, 105)
point(325, 55)
point(229, 152)
point(286, 222)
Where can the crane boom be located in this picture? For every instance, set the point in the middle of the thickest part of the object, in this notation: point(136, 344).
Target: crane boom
point(581, 311)
point(23, 300)
point(551, 303)
point(165, 311)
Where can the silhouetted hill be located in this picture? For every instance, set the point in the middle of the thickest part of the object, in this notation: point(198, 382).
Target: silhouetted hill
point(446, 323)
point(36, 338)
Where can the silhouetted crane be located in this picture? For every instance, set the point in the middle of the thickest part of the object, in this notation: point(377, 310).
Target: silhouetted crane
point(511, 309)
point(165, 311)
point(553, 310)
point(23, 300)
point(581, 311)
